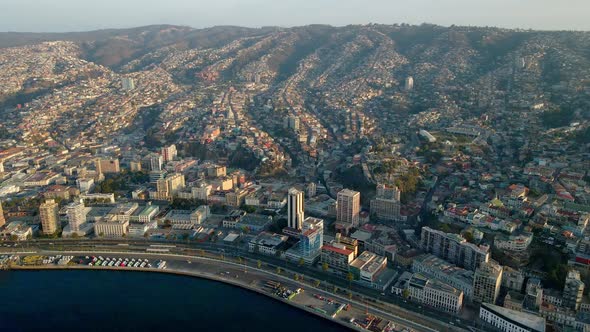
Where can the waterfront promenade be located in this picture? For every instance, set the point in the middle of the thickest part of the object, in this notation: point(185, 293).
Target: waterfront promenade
point(251, 275)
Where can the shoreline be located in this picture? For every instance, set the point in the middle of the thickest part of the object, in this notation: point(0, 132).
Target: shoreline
point(206, 276)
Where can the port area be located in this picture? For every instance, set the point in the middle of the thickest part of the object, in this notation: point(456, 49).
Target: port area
point(328, 306)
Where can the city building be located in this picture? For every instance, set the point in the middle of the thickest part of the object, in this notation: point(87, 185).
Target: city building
point(127, 83)
point(487, 280)
point(216, 171)
point(85, 184)
point(186, 219)
point(49, 215)
point(291, 122)
point(434, 267)
point(337, 257)
point(77, 225)
point(434, 293)
point(520, 242)
point(512, 279)
point(496, 318)
point(111, 227)
point(145, 214)
point(386, 205)
point(295, 209)
point(2, 219)
point(153, 162)
point(367, 266)
point(169, 153)
point(106, 166)
point(268, 243)
point(454, 248)
point(409, 84)
point(166, 188)
point(310, 242)
point(573, 290)
point(348, 207)
point(348, 242)
point(311, 189)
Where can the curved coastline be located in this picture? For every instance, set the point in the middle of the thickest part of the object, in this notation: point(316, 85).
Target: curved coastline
point(195, 274)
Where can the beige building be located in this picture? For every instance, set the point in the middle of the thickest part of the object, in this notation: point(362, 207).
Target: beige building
point(2, 219)
point(349, 207)
point(486, 282)
point(337, 256)
point(216, 171)
point(170, 185)
point(386, 205)
point(105, 166)
point(111, 227)
point(49, 215)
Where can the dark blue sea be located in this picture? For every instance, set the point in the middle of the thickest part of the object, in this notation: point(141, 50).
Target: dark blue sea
point(135, 301)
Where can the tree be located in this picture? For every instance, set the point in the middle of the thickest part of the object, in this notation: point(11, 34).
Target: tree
point(259, 264)
point(350, 278)
point(279, 270)
point(13, 238)
point(317, 283)
point(301, 262)
point(325, 267)
point(101, 234)
point(406, 293)
point(296, 277)
point(202, 252)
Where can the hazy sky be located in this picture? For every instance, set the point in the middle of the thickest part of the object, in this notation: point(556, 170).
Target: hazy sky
point(76, 15)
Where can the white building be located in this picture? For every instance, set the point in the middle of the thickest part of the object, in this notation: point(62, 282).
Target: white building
point(295, 209)
point(111, 227)
point(267, 243)
point(506, 320)
point(435, 294)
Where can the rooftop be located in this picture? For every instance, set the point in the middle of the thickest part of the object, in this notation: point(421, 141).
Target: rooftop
point(535, 322)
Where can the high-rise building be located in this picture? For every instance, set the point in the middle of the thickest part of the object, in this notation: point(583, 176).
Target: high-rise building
point(135, 166)
point(348, 207)
point(486, 282)
point(169, 153)
point(76, 213)
point(49, 215)
point(409, 83)
point(454, 248)
point(386, 205)
point(105, 166)
point(295, 209)
point(573, 290)
point(2, 219)
point(170, 185)
point(153, 162)
point(291, 122)
point(311, 189)
point(216, 171)
point(127, 84)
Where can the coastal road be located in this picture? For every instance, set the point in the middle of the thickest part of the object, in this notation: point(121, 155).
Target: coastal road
point(181, 264)
point(385, 302)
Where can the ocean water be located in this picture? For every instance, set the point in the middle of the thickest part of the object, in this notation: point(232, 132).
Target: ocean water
point(139, 301)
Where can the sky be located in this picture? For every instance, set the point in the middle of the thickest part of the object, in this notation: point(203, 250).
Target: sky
point(82, 15)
